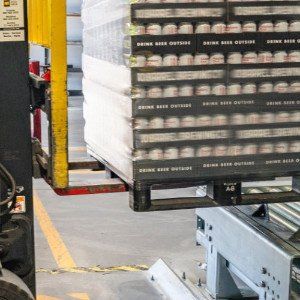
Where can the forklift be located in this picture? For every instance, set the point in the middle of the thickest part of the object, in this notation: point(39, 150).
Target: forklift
point(17, 262)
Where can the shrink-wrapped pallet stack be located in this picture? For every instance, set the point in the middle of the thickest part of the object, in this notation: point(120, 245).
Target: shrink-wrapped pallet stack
point(192, 89)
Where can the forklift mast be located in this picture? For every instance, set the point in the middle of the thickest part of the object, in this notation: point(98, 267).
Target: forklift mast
point(16, 219)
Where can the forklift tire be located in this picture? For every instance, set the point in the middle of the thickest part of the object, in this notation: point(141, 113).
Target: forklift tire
point(13, 288)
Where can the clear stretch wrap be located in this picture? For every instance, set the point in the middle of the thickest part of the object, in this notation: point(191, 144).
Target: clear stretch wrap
point(192, 89)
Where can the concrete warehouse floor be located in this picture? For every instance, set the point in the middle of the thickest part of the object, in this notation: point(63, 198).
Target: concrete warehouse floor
point(77, 233)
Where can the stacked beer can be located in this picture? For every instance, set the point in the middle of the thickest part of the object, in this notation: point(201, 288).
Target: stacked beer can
point(179, 89)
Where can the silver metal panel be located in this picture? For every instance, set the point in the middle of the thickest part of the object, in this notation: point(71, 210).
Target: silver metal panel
point(170, 284)
point(249, 250)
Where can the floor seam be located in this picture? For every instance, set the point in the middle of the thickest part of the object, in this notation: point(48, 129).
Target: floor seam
point(94, 269)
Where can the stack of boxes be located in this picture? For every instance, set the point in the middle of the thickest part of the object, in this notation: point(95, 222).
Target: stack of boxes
point(192, 89)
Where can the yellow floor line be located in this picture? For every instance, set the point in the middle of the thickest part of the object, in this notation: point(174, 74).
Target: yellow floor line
point(44, 297)
point(79, 296)
point(59, 250)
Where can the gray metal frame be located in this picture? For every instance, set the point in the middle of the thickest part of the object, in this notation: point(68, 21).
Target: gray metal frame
point(254, 250)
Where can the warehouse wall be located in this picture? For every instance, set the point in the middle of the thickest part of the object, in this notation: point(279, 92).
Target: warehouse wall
point(74, 38)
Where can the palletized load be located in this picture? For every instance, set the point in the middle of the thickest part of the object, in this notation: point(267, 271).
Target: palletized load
point(176, 90)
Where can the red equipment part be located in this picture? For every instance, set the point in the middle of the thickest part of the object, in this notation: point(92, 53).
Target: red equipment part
point(92, 189)
point(47, 74)
point(34, 67)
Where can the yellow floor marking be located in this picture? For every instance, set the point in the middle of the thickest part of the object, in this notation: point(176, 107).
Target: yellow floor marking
point(44, 297)
point(79, 296)
point(59, 250)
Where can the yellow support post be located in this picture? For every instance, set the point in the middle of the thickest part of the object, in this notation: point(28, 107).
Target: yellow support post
point(46, 23)
point(47, 28)
point(59, 102)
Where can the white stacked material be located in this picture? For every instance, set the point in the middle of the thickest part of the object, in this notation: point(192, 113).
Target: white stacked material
point(106, 84)
point(184, 89)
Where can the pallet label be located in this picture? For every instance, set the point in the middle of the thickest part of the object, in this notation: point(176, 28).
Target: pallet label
point(217, 166)
point(164, 43)
point(145, 77)
point(270, 41)
point(196, 135)
point(268, 133)
point(207, 43)
point(208, 104)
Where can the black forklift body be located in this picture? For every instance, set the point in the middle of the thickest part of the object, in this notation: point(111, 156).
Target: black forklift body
point(16, 232)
